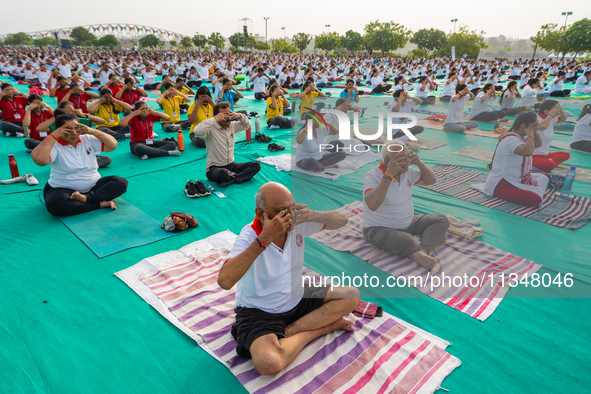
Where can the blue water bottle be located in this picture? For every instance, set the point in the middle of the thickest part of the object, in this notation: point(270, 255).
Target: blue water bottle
point(568, 180)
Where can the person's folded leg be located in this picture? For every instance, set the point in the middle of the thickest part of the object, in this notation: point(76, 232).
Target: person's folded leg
point(506, 191)
point(244, 172)
point(454, 127)
point(219, 174)
point(585, 146)
point(103, 161)
point(558, 157)
point(170, 127)
point(445, 99)
point(31, 143)
point(282, 122)
point(432, 228)
point(332, 158)
point(106, 189)
point(113, 132)
point(59, 203)
point(396, 242)
point(197, 141)
point(488, 116)
point(310, 164)
point(11, 128)
point(158, 149)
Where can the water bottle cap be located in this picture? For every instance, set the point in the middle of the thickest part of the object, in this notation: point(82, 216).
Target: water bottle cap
point(573, 168)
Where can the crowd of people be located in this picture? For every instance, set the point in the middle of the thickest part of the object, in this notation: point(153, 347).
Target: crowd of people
point(101, 102)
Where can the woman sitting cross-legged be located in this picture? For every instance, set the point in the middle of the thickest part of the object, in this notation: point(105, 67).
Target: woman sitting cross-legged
point(389, 221)
point(141, 126)
point(275, 104)
point(75, 186)
point(108, 108)
point(171, 99)
point(550, 113)
point(510, 177)
point(582, 135)
point(482, 108)
point(310, 156)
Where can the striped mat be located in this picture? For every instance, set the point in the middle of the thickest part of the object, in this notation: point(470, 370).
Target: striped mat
point(383, 355)
point(570, 212)
point(457, 257)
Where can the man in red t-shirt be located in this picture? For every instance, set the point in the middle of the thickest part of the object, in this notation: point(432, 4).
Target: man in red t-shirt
point(60, 90)
point(12, 105)
point(114, 84)
point(79, 98)
point(130, 93)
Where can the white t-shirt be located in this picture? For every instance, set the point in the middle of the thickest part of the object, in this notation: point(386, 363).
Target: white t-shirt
point(580, 86)
point(259, 84)
point(449, 89)
point(310, 148)
point(397, 210)
point(547, 136)
point(268, 283)
point(44, 76)
point(479, 106)
point(456, 109)
point(424, 93)
point(87, 75)
point(75, 168)
point(555, 85)
point(529, 96)
point(149, 77)
point(582, 129)
point(65, 69)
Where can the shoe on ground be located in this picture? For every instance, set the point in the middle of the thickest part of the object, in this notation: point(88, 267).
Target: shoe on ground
point(262, 138)
point(20, 135)
point(191, 190)
point(31, 180)
point(144, 157)
point(201, 189)
point(275, 147)
point(274, 127)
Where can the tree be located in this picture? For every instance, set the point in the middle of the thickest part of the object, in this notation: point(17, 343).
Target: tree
point(467, 42)
point(46, 41)
point(301, 41)
point(108, 41)
point(352, 41)
point(172, 43)
point(387, 36)
point(262, 46)
point(199, 40)
point(328, 41)
point(80, 34)
point(216, 40)
point(282, 45)
point(18, 39)
point(429, 39)
point(186, 43)
point(578, 38)
point(150, 41)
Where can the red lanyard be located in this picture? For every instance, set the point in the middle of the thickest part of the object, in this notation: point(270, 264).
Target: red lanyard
point(173, 104)
point(206, 113)
point(15, 109)
point(146, 128)
point(42, 117)
point(77, 102)
point(109, 111)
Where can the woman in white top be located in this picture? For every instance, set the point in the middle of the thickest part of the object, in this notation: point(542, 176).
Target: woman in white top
point(323, 81)
point(75, 186)
point(475, 81)
point(529, 95)
point(510, 177)
point(582, 135)
point(309, 156)
point(404, 104)
point(555, 88)
point(449, 88)
point(508, 97)
point(378, 85)
point(493, 77)
point(453, 122)
point(549, 115)
point(423, 91)
point(524, 78)
point(297, 80)
point(482, 109)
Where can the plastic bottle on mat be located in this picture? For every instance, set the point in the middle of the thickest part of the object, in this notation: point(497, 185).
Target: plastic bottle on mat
point(568, 180)
point(249, 134)
point(257, 125)
point(13, 166)
point(181, 141)
point(293, 106)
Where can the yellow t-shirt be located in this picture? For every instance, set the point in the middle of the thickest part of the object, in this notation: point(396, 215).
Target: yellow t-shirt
point(184, 91)
point(171, 106)
point(202, 114)
point(272, 113)
point(107, 112)
point(307, 101)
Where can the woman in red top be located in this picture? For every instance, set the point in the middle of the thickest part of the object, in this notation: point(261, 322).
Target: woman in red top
point(37, 113)
point(79, 97)
point(130, 93)
point(141, 126)
point(12, 105)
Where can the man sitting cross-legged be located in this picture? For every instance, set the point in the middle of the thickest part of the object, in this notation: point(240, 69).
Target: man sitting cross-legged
point(276, 314)
point(389, 221)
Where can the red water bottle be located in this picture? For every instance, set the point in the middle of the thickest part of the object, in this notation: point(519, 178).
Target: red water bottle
point(248, 134)
point(13, 166)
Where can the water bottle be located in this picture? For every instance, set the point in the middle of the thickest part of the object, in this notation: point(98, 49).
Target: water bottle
point(568, 180)
point(181, 141)
point(257, 125)
point(249, 134)
point(13, 166)
point(293, 106)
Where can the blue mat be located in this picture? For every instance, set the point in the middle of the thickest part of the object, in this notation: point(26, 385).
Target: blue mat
point(107, 232)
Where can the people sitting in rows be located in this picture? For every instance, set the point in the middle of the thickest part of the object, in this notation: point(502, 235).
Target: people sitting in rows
point(582, 135)
point(423, 88)
point(75, 186)
point(404, 104)
point(199, 111)
point(219, 135)
point(275, 104)
point(310, 156)
point(510, 177)
point(37, 112)
point(389, 221)
point(193, 78)
point(79, 97)
point(482, 108)
point(130, 93)
point(12, 105)
point(582, 85)
point(148, 74)
point(171, 100)
point(350, 92)
point(549, 115)
point(141, 127)
point(228, 93)
point(108, 108)
point(453, 121)
point(555, 88)
point(275, 321)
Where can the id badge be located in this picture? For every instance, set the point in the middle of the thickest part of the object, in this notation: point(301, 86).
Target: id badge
point(43, 135)
point(149, 141)
point(17, 116)
point(111, 120)
point(174, 114)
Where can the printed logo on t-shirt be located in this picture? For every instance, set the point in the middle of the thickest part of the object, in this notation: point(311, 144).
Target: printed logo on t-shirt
point(408, 183)
point(88, 150)
point(299, 240)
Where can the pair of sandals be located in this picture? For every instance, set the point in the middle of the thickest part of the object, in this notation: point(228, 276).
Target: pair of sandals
point(262, 138)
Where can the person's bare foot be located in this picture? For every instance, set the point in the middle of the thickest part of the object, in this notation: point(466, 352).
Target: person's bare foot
point(423, 259)
point(108, 204)
point(78, 197)
point(342, 324)
point(332, 166)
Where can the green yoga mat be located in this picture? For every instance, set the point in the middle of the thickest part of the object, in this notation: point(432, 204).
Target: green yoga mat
point(107, 232)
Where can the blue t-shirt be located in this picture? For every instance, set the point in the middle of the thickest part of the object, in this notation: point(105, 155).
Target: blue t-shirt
point(229, 97)
point(351, 97)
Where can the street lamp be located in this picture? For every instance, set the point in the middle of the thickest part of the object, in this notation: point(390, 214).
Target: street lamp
point(454, 21)
point(283, 28)
point(266, 44)
point(328, 26)
point(561, 37)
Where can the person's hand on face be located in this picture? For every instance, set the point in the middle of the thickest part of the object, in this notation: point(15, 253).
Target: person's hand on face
point(394, 165)
point(413, 159)
point(277, 226)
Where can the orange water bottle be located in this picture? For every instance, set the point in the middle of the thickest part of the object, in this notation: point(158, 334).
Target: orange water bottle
point(13, 166)
point(181, 141)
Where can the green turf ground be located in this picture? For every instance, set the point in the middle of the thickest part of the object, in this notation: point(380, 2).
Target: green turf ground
point(68, 325)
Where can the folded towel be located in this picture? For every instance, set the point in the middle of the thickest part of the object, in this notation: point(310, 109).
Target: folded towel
point(366, 309)
point(464, 228)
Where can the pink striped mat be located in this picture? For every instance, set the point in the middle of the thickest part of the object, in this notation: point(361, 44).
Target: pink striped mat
point(457, 257)
point(383, 355)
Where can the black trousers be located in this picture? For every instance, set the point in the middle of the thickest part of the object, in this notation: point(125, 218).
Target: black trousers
point(560, 93)
point(58, 202)
point(157, 149)
point(194, 84)
point(381, 88)
point(259, 96)
point(582, 145)
point(150, 86)
point(197, 141)
point(445, 98)
point(116, 132)
point(240, 172)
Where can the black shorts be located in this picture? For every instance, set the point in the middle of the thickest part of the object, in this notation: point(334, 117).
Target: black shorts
point(253, 323)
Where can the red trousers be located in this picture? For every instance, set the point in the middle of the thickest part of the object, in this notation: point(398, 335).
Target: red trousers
point(506, 191)
point(549, 162)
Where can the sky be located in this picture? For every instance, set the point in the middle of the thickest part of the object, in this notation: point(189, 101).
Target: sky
point(511, 18)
